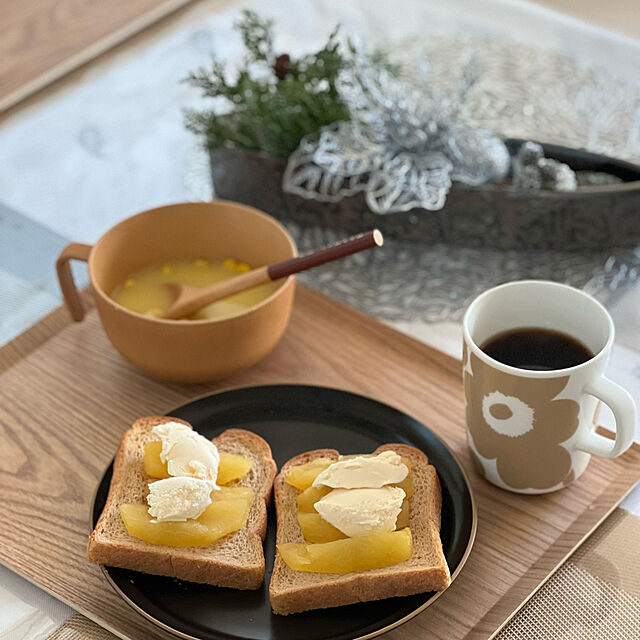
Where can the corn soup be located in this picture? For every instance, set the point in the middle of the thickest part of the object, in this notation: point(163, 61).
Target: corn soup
point(143, 292)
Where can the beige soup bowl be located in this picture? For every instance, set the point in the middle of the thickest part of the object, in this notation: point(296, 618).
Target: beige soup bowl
point(194, 350)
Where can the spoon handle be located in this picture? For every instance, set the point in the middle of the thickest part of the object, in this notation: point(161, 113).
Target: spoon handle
point(321, 256)
point(190, 299)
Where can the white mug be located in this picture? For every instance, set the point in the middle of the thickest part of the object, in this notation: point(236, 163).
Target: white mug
point(533, 431)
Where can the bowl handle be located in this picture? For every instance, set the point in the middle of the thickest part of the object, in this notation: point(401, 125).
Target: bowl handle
point(73, 251)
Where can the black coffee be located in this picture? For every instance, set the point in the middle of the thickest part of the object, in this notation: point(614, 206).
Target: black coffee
point(537, 349)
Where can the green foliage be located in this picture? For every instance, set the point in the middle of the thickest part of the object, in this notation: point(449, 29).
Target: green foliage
point(257, 36)
point(272, 102)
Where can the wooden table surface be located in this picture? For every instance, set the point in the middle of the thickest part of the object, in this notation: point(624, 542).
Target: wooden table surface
point(42, 40)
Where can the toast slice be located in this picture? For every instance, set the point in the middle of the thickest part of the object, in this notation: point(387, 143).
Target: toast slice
point(235, 561)
point(293, 591)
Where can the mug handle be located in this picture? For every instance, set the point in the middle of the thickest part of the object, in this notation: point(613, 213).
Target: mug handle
point(73, 251)
point(623, 407)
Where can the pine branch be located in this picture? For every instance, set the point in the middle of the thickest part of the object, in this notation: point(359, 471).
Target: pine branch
point(273, 110)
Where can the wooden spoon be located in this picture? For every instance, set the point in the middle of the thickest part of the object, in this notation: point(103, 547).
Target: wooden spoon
point(188, 299)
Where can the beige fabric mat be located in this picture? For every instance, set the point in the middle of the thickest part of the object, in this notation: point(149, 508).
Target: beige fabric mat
point(77, 627)
point(594, 595)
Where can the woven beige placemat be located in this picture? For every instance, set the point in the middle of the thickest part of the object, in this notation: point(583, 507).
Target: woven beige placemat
point(77, 627)
point(595, 595)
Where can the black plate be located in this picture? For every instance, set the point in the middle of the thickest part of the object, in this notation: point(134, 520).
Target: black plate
point(293, 419)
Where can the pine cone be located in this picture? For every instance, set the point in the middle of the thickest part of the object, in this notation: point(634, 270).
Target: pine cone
point(282, 66)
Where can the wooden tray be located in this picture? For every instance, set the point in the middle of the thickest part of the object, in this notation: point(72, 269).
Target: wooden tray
point(66, 397)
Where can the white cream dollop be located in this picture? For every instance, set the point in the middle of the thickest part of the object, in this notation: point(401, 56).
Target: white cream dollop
point(178, 499)
point(187, 453)
point(361, 512)
point(364, 472)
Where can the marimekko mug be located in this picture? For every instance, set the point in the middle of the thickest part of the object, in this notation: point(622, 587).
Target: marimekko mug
point(533, 431)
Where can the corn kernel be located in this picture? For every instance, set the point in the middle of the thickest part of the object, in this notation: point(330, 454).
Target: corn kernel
point(129, 283)
point(156, 312)
point(242, 267)
point(201, 263)
point(229, 264)
point(167, 268)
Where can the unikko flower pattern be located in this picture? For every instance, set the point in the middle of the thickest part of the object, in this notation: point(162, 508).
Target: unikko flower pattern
point(520, 423)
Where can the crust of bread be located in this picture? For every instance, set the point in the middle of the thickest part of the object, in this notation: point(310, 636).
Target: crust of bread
point(295, 591)
point(235, 561)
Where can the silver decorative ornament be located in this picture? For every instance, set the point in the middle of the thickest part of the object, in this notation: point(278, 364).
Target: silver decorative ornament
point(531, 170)
point(401, 148)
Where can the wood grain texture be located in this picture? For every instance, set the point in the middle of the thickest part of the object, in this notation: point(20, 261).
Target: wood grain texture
point(616, 15)
point(41, 40)
point(66, 402)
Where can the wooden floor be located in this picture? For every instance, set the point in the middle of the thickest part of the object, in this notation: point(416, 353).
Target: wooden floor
point(41, 40)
